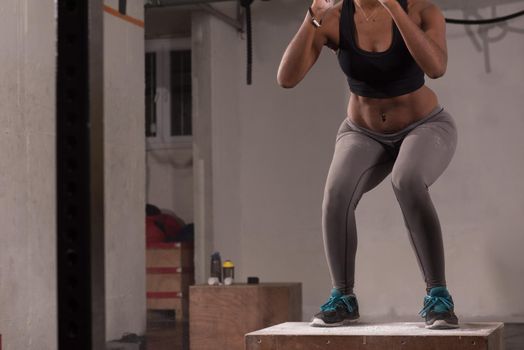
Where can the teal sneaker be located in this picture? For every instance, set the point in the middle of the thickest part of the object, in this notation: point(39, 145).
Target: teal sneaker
point(438, 309)
point(339, 310)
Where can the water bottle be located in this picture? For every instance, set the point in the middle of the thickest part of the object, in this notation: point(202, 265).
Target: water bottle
point(216, 266)
point(228, 272)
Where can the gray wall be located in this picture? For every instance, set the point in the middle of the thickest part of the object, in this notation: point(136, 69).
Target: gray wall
point(27, 175)
point(271, 150)
point(125, 172)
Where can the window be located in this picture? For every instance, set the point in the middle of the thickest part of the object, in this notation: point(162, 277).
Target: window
point(168, 93)
point(180, 64)
point(150, 94)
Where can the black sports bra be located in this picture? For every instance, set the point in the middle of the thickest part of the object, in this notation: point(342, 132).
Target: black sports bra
point(384, 74)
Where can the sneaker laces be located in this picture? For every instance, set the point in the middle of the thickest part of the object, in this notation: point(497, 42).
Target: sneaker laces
point(333, 301)
point(431, 301)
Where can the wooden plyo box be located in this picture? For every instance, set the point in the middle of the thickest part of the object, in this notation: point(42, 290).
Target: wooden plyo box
point(168, 301)
point(169, 279)
point(387, 336)
point(220, 316)
point(170, 271)
point(177, 254)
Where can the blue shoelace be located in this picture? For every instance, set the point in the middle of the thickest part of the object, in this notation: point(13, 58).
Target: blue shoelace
point(332, 303)
point(431, 301)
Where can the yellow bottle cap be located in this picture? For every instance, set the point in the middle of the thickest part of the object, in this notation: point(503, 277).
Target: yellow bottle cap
point(228, 263)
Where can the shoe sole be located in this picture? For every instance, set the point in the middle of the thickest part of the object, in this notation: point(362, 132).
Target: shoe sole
point(317, 322)
point(442, 324)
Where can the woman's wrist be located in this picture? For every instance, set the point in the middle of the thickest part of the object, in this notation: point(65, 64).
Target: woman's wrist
point(319, 10)
point(316, 14)
point(313, 18)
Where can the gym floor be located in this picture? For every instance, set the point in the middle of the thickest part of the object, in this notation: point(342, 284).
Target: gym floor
point(164, 333)
point(514, 334)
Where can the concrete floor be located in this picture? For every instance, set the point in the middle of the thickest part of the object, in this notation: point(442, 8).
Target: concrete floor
point(167, 334)
point(514, 334)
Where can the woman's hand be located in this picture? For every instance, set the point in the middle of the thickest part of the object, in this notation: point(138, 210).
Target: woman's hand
point(321, 6)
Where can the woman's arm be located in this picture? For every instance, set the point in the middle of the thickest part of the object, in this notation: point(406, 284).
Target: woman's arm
point(427, 43)
point(304, 49)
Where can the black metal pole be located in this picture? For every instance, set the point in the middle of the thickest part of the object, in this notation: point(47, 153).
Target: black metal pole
point(79, 162)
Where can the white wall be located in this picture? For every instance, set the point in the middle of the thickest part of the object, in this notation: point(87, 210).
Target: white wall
point(271, 150)
point(485, 74)
point(201, 63)
point(170, 180)
point(27, 175)
point(125, 172)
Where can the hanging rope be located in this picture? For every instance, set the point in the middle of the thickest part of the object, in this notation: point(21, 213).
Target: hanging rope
point(485, 21)
point(246, 4)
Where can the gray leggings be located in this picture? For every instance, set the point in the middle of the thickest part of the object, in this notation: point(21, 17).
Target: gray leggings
point(415, 156)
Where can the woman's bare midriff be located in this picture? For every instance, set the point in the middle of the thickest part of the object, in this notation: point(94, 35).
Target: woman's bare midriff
point(389, 115)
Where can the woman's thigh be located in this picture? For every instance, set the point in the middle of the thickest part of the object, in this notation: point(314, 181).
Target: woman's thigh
point(359, 164)
point(426, 152)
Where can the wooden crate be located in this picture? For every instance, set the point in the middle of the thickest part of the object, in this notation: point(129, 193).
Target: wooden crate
point(176, 254)
point(166, 279)
point(367, 336)
point(169, 301)
point(220, 316)
point(169, 272)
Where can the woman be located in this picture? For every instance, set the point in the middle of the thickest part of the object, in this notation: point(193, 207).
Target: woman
point(394, 125)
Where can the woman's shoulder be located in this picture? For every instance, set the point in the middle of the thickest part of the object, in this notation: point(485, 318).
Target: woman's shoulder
point(421, 10)
point(420, 6)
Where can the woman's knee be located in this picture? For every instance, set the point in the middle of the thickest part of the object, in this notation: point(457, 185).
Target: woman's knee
point(333, 198)
point(405, 180)
point(336, 200)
